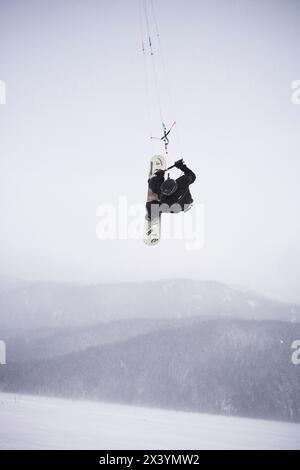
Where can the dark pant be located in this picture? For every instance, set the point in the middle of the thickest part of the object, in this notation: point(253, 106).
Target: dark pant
point(153, 209)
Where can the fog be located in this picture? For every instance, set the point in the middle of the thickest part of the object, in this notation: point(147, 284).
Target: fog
point(74, 134)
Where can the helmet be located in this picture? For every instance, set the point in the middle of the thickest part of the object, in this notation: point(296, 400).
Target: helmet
point(168, 187)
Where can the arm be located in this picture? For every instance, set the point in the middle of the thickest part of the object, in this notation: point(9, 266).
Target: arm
point(189, 176)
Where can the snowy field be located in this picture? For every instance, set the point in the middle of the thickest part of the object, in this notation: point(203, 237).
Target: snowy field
point(29, 422)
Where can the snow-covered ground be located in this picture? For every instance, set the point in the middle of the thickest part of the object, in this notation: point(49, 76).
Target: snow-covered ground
point(29, 422)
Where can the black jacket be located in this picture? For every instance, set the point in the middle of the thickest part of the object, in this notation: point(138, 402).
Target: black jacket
point(182, 196)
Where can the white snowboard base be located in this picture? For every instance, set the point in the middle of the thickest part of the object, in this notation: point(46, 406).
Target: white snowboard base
point(152, 228)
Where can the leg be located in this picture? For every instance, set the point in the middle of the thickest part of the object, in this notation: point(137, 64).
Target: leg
point(153, 209)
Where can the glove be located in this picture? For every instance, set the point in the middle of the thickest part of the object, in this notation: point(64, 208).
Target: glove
point(180, 164)
point(159, 173)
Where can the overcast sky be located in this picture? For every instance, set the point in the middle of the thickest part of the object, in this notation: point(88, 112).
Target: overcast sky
point(74, 133)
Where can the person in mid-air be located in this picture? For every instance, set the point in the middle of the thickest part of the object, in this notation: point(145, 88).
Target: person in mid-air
point(169, 195)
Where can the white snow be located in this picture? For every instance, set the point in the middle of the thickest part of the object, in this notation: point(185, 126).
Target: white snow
point(29, 422)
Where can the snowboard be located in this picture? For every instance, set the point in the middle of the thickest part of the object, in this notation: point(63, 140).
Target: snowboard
point(152, 228)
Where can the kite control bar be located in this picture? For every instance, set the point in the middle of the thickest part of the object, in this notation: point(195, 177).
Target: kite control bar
point(170, 167)
point(173, 166)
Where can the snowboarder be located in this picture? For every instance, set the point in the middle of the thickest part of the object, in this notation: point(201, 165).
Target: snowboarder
point(170, 195)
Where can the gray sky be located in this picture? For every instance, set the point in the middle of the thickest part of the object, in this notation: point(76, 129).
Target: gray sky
point(74, 134)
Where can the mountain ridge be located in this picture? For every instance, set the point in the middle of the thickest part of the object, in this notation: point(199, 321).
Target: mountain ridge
point(51, 304)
